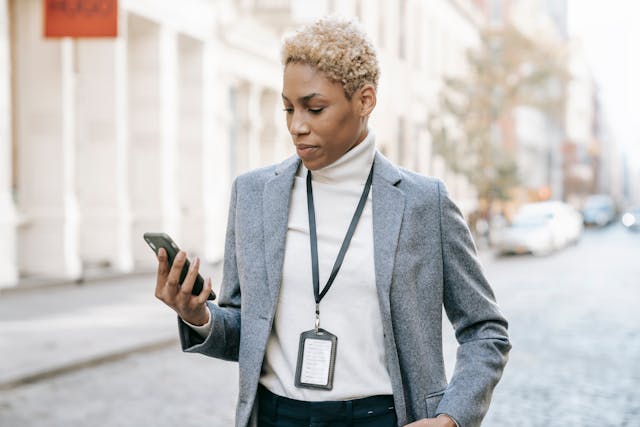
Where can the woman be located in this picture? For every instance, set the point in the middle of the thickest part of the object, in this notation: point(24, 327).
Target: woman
point(335, 316)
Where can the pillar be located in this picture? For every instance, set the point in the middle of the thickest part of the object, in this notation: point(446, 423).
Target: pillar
point(142, 145)
point(190, 144)
point(123, 257)
point(102, 166)
point(168, 61)
point(45, 90)
point(8, 265)
point(216, 176)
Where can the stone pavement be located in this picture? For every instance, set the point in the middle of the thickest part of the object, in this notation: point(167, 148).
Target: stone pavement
point(52, 329)
point(573, 320)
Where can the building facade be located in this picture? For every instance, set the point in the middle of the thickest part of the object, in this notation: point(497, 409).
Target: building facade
point(104, 139)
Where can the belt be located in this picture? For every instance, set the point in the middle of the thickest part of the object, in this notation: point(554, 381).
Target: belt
point(274, 405)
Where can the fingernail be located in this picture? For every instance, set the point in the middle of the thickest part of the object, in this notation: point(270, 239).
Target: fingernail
point(196, 262)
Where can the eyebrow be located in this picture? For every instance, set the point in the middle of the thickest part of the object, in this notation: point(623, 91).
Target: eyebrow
point(303, 99)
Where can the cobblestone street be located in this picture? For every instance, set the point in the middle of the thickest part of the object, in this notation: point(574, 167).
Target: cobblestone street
point(574, 323)
point(575, 327)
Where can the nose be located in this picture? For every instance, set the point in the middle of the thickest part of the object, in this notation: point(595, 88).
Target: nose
point(298, 124)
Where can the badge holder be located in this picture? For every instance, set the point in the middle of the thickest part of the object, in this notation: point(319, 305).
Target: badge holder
point(316, 359)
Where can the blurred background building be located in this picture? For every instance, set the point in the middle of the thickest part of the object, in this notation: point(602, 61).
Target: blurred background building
point(102, 139)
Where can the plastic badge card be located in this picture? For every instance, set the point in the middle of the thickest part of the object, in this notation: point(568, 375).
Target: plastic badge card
point(316, 359)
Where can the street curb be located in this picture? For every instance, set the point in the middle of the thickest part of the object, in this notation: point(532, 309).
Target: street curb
point(44, 284)
point(87, 363)
point(35, 284)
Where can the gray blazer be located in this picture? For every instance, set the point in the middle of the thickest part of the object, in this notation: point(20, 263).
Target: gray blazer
point(424, 259)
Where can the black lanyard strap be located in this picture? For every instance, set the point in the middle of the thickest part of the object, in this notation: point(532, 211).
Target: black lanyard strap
point(345, 244)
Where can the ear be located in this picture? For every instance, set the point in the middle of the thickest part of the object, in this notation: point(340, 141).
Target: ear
point(366, 99)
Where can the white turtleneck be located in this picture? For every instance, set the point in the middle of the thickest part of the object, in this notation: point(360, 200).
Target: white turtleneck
point(350, 309)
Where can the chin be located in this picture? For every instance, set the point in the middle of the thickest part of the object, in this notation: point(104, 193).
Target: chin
point(311, 165)
point(314, 164)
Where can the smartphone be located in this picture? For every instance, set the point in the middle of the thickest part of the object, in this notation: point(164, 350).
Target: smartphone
point(162, 240)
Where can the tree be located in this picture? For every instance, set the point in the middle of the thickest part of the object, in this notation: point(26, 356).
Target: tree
point(506, 71)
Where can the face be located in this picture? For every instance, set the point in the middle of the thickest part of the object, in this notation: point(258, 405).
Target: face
point(323, 123)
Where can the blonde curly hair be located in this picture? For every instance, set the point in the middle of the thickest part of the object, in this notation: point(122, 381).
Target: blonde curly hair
point(337, 47)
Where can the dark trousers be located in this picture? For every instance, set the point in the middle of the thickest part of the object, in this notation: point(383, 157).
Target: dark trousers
point(278, 411)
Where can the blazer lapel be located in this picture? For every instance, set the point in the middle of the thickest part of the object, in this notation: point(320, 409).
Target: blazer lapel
point(388, 209)
point(275, 203)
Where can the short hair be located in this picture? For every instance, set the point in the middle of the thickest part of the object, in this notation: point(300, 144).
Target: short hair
point(337, 47)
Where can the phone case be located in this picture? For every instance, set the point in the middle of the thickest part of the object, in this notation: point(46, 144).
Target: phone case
point(162, 240)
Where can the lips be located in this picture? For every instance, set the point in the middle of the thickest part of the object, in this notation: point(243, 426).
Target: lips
point(304, 149)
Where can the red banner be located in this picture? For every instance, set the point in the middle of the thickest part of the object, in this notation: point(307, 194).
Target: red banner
point(80, 18)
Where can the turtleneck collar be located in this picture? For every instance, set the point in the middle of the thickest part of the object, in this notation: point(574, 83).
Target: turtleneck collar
point(352, 167)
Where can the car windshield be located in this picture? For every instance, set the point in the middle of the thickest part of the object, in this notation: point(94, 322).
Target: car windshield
point(598, 203)
point(597, 208)
point(531, 220)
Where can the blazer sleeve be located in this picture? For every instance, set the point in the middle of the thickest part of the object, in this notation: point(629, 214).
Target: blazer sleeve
point(223, 341)
point(480, 328)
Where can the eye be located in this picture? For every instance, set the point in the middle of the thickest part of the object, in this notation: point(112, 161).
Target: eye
point(288, 110)
point(316, 110)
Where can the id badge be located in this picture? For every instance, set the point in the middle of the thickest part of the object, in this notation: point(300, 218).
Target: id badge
point(316, 359)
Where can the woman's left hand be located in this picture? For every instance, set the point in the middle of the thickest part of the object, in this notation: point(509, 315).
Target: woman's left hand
point(441, 421)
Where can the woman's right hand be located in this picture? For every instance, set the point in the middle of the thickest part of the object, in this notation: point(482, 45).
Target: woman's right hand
point(191, 308)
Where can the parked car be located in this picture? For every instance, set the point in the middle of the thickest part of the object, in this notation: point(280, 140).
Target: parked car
point(631, 218)
point(540, 228)
point(599, 210)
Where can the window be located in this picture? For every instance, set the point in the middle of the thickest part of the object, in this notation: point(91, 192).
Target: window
point(402, 29)
point(381, 24)
point(402, 148)
point(234, 121)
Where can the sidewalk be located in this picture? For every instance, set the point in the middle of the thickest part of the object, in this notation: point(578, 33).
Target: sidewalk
point(48, 330)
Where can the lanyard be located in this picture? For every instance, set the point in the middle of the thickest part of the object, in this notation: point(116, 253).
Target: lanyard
point(345, 244)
